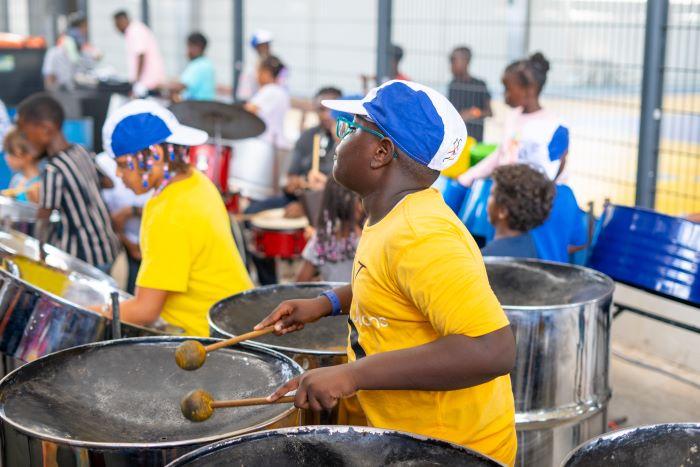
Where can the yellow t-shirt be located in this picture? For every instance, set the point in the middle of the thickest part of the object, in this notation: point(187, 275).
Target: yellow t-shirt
point(188, 250)
point(418, 275)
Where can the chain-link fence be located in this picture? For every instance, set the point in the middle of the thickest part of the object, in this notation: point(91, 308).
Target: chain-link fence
point(678, 185)
point(595, 49)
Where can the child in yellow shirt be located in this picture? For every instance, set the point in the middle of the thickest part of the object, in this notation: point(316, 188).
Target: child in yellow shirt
point(189, 257)
point(430, 349)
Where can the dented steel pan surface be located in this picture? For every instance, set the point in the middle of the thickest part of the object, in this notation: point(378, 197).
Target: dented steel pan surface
point(333, 446)
point(322, 343)
point(666, 445)
point(118, 402)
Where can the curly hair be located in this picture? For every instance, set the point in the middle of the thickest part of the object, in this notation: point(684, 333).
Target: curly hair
point(526, 192)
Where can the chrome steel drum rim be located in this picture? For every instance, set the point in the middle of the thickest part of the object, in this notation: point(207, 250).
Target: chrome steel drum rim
point(609, 283)
point(324, 429)
point(122, 296)
point(156, 446)
point(279, 348)
point(626, 431)
point(85, 269)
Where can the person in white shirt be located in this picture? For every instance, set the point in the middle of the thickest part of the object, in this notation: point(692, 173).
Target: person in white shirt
point(261, 42)
point(144, 60)
point(532, 134)
point(271, 102)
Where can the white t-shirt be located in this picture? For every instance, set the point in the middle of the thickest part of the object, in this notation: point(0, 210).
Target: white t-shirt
point(248, 82)
point(537, 138)
point(140, 40)
point(58, 64)
point(273, 102)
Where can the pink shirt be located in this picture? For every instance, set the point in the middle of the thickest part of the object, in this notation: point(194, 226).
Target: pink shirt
point(140, 40)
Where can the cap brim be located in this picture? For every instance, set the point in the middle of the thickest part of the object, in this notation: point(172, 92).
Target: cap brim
point(187, 136)
point(347, 106)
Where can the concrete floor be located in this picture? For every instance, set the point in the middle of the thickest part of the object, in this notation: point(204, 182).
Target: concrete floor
point(646, 396)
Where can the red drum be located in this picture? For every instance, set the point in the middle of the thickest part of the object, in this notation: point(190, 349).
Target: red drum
point(275, 236)
point(204, 157)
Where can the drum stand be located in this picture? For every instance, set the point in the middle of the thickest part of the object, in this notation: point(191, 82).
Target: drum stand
point(620, 308)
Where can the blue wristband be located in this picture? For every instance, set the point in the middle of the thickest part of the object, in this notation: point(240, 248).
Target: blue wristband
point(335, 302)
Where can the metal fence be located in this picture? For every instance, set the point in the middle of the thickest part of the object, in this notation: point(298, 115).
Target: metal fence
point(596, 51)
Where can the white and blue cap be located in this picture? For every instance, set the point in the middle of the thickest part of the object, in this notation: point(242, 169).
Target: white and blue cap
point(420, 121)
point(141, 123)
point(261, 36)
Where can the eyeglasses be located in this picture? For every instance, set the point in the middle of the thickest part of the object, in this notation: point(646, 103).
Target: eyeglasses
point(345, 126)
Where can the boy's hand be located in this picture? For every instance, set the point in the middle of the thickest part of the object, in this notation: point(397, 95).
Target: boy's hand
point(320, 389)
point(292, 315)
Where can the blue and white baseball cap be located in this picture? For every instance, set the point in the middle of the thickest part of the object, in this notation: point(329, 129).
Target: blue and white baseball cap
point(420, 121)
point(142, 123)
point(261, 36)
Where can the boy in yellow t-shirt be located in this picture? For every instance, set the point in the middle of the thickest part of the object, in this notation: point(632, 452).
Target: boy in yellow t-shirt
point(189, 257)
point(430, 348)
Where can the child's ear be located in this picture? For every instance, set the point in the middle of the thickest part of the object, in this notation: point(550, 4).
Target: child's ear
point(383, 155)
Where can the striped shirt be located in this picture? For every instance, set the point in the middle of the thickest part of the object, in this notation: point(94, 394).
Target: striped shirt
point(70, 184)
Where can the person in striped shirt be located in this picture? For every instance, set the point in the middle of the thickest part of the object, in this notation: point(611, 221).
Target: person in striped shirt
point(69, 184)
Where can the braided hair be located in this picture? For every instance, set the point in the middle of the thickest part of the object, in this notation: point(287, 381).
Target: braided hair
point(336, 239)
point(531, 71)
point(177, 160)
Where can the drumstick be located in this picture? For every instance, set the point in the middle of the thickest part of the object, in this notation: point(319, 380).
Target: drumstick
point(199, 405)
point(315, 153)
point(191, 354)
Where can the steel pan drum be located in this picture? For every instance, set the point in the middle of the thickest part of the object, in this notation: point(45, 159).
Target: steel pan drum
point(561, 319)
point(332, 446)
point(650, 250)
point(18, 244)
point(117, 403)
point(317, 345)
point(42, 307)
point(672, 444)
point(19, 215)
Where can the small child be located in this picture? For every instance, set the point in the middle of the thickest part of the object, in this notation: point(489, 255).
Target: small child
point(531, 134)
point(521, 199)
point(22, 158)
point(330, 251)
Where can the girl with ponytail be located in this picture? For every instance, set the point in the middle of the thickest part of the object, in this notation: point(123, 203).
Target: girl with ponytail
point(532, 134)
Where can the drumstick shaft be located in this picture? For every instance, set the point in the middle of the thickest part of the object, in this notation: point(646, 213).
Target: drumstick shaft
point(315, 153)
point(251, 401)
point(237, 339)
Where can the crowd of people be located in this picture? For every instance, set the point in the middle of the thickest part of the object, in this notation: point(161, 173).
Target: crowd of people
point(380, 226)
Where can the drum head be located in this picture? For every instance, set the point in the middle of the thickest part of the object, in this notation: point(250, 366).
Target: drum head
point(240, 313)
point(341, 445)
point(274, 219)
point(533, 283)
point(128, 392)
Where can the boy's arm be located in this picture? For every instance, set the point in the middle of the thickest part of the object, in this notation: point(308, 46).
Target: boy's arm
point(446, 281)
point(292, 315)
point(448, 363)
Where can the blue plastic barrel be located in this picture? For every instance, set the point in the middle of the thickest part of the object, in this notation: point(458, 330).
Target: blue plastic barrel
point(452, 192)
point(473, 210)
point(650, 250)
